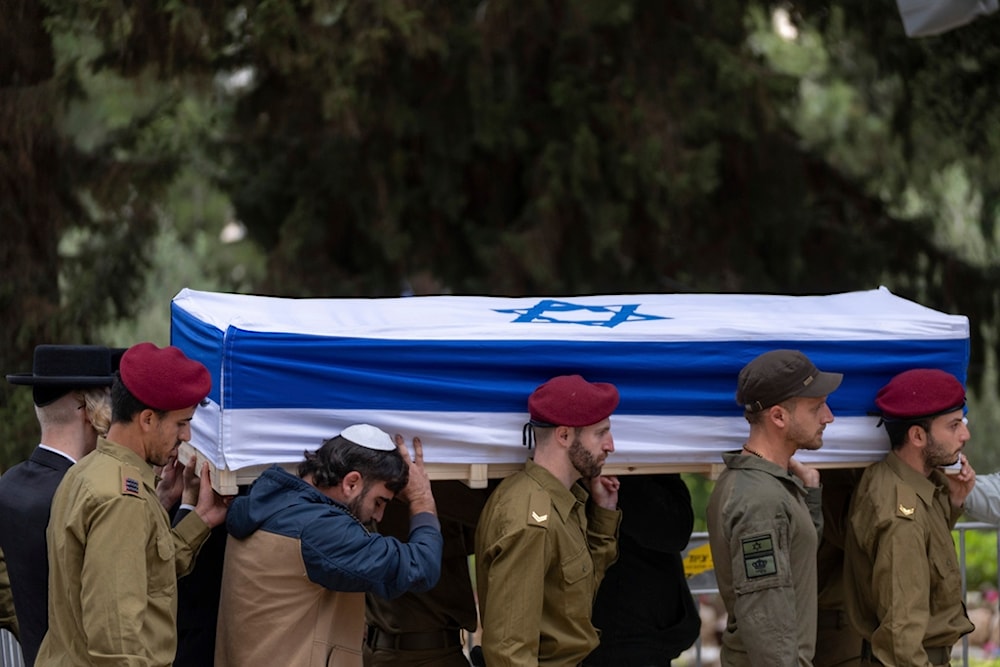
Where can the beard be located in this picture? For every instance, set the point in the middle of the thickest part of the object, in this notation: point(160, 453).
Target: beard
point(356, 507)
point(588, 465)
point(937, 455)
point(803, 439)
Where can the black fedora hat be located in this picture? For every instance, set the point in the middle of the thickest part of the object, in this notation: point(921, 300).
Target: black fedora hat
point(59, 369)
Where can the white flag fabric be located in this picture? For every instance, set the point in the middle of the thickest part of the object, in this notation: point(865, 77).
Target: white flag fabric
point(924, 18)
point(457, 370)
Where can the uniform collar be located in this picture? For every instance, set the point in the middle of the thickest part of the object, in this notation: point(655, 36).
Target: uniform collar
point(563, 499)
point(925, 487)
point(735, 460)
point(128, 457)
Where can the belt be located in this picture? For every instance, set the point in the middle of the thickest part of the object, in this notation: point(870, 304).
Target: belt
point(412, 641)
point(937, 655)
point(831, 618)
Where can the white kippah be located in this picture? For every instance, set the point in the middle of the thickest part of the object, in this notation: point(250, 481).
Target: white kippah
point(368, 436)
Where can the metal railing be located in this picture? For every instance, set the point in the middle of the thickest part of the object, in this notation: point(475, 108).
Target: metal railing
point(10, 651)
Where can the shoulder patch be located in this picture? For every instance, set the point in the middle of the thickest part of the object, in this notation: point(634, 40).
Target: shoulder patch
point(539, 509)
point(758, 555)
point(906, 502)
point(131, 481)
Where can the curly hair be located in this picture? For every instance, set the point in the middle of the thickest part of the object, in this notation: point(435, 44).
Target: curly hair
point(97, 403)
point(338, 456)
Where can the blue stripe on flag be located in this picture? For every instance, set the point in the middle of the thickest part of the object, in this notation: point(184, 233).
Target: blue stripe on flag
point(274, 370)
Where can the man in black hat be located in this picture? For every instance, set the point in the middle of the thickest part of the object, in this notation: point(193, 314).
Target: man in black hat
point(70, 390)
point(764, 513)
point(903, 585)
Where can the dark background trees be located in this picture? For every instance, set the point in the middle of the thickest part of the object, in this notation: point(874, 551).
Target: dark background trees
point(489, 147)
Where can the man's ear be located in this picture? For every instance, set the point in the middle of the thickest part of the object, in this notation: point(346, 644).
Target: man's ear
point(917, 438)
point(776, 414)
point(352, 484)
point(564, 435)
point(147, 419)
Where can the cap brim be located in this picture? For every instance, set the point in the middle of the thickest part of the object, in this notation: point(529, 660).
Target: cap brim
point(824, 385)
point(67, 380)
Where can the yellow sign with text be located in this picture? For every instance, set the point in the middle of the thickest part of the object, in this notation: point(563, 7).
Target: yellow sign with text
point(698, 560)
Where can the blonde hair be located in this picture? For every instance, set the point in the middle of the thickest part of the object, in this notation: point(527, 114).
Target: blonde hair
point(97, 403)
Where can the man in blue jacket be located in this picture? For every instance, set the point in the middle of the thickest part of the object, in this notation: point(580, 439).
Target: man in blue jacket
point(300, 556)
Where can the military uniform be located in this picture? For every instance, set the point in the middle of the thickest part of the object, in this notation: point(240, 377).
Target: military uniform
point(114, 563)
point(837, 643)
point(425, 629)
point(903, 584)
point(541, 552)
point(763, 527)
point(8, 619)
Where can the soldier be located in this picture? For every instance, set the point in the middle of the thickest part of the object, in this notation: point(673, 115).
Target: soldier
point(543, 543)
point(113, 558)
point(764, 515)
point(425, 629)
point(8, 618)
point(837, 643)
point(70, 392)
point(904, 587)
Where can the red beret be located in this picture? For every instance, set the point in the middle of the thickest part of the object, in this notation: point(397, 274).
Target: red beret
point(921, 392)
point(569, 400)
point(164, 378)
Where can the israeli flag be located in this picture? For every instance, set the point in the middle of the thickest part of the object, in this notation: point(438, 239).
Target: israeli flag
point(457, 370)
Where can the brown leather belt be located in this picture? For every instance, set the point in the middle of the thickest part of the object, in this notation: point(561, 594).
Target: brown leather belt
point(412, 641)
point(937, 655)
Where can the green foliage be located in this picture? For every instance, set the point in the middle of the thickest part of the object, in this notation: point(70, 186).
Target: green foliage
point(980, 558)
point(495, 148)
point(700, 487)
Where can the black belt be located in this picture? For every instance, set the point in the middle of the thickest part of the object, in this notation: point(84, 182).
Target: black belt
point(937, 655)
point(833, 619)
point(412, 641)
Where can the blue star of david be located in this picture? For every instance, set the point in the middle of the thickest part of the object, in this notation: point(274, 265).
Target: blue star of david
point(548, 310)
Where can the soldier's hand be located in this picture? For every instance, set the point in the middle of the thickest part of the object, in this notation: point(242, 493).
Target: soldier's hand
point(604, 491)
point(168, 489)
point(960, 485)
point(808, 474)
point(192, 482)
point(211, 506)
point(417, 491)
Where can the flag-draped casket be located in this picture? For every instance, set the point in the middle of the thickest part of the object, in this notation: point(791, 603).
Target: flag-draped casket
point(457, 370)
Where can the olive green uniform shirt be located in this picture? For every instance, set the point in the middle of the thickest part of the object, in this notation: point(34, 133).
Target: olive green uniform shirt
point(903, 583)
point(113, 565)
point(8, 619)
point(541, 552)
point(763, 530)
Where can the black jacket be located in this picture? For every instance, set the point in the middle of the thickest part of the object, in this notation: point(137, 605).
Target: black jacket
point(644, 607)
point(26, 492)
